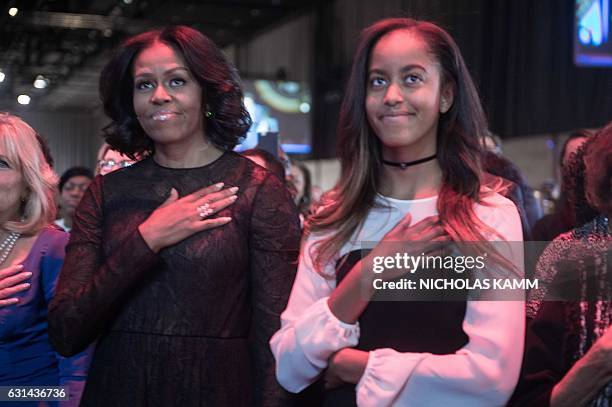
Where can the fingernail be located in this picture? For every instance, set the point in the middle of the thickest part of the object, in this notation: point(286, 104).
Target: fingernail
point(219, 185)
point(28, 274)
point(26, 285)
point(13, 300)
point(233, 197)
point(226, 219)
point(19, 267)
point(233, 190)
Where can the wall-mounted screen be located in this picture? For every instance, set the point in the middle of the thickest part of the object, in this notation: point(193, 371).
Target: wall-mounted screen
point(279, 106)
point(592, 42)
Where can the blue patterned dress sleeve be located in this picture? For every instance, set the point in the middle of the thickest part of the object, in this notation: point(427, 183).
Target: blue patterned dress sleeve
point(26, 355)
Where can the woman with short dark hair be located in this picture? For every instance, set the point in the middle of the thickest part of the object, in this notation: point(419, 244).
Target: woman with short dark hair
point(180, 264)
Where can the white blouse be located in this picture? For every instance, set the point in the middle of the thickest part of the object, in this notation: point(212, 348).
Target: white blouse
point(482, 373)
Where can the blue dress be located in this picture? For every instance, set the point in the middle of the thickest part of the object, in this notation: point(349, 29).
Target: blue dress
point(26, 355)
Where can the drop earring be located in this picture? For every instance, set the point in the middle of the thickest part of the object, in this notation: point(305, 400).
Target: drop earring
point(208, 113)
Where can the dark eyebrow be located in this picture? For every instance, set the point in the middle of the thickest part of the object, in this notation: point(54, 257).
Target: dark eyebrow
point(404, 69)
point(178, 68)
point(376, 71)
point(413, 66)
point(169, 71)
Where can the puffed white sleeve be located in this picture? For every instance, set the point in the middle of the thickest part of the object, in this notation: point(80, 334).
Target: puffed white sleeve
point(482, 373)
point(309, 332)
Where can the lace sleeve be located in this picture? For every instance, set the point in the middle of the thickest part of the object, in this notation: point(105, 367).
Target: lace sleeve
point(91, 285)
point(274, 246)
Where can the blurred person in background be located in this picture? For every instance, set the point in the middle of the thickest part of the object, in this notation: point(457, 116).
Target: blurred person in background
point(44, 146)
point(522, 194)
point(519, 191)
point(568, 361)
point(563, 218)
point(110, 160)
point(72, 186)
point(267, 160)
point(301, 181)
point(31, 256)
point(493, 143)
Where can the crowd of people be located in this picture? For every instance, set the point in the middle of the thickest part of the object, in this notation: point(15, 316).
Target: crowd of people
point(179, 272)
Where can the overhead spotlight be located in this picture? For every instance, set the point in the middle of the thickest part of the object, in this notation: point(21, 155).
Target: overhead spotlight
point(2, 76)
point(23, 99)
point(41, 82)
point(128, 1)
point(13, 11)
point(304, 107)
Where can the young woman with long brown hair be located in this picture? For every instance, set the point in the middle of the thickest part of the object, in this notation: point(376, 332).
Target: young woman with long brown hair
point(410, 133)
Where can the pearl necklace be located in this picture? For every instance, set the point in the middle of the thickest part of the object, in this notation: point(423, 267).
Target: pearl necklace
point(6, 247)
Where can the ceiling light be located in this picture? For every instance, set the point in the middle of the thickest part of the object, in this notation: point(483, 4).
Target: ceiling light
point(41, 82)
point(304, 107)
point(13, 11)
point(127, 1)
point(23, 99)
point(2, 76)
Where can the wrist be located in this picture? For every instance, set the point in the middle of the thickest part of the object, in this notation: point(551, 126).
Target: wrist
point(149, 237)
point(366, 277)
point(352, 364)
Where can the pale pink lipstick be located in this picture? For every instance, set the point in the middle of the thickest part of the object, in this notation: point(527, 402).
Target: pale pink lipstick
point(163, 115)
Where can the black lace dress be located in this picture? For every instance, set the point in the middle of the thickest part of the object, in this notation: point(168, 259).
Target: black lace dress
point(188, 326)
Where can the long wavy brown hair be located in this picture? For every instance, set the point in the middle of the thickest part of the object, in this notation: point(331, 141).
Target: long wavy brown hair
point(459, 148)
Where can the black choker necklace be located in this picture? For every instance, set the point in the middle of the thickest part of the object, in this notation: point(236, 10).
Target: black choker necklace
point(407, 164)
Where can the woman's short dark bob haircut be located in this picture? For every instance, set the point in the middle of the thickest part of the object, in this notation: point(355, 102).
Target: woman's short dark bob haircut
point(221, 92)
